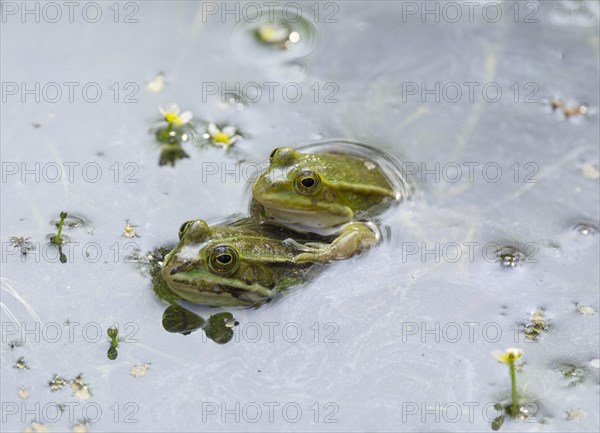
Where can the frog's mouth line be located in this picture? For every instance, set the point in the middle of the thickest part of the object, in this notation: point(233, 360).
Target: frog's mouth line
point(190, 286)
point(319, 218)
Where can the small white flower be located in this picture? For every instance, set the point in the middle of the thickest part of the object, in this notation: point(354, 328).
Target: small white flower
point(511, 355)
point(173, 115)
point(222, 137)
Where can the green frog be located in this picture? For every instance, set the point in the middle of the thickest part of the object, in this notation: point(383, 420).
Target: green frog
point(321, 190)
point(324, 193)
point(245, 262)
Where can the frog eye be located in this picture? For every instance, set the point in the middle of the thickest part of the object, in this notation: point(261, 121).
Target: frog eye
point(308, 182)
point(183, 228)
point(223, 260)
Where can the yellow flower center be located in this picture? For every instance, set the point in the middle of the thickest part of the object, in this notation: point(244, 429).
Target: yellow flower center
point(221, 137)
point(173, 118)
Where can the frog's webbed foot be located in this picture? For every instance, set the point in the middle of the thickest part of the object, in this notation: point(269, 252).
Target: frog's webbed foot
point(354, 238)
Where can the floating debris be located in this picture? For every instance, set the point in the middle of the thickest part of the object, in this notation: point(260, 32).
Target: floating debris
point(537, 324)
point(139, 370)
point(21, 364)
point(23, 243)
point(590, 171)
point(157, 84)
point(80, 427)
point(568, 109)
point(585, 310)
point(80, 388)
point(575, 414)
point(22, 393)
point(57, 382)
point(136, 256)
point(129, 230)
point(36, 427)
point(14, 344)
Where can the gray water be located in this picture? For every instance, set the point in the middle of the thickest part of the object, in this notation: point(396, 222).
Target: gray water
point(397, 340)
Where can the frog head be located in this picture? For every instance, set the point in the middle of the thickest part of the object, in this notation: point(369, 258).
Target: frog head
point(314, 191)
point(297, 189)
point(210, 266)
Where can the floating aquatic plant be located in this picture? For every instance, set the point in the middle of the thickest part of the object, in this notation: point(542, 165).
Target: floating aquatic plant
point(223, 136)
point(509, 357)
point(513, 409)
point(57, 239)
point(174, 117)
point(175, 129)
point(113, 334)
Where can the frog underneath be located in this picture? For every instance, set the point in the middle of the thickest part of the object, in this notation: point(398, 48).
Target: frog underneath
point(243, 263)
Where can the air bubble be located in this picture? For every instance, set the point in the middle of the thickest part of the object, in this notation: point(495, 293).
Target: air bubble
point(574, 374)
point(274, 38)
point(64, 239)
point(72, 221)
point(509, 256)
point(585, 228)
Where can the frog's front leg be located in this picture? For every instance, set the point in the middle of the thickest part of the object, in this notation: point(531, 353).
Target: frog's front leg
point(354, 238)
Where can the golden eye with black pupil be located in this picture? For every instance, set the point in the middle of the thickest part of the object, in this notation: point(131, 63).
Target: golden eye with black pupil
point(307, 182)
point(183, 228)
point(223, 260)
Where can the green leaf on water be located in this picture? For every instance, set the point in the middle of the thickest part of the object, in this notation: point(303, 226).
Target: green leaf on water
point(112, 353)
point(179, 320)
point(219, 328)
point(497, 423)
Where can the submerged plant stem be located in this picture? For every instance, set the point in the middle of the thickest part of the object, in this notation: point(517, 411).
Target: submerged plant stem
point(513, 382)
